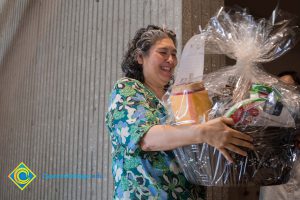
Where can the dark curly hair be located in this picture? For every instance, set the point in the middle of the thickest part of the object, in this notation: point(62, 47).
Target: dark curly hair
point(141, 43)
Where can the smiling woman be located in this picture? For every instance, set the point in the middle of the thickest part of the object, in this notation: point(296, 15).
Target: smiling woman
point(159, 65)
point(143, 166)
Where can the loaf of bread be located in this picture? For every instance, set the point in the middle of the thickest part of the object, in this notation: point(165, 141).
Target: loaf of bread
point(190, 103)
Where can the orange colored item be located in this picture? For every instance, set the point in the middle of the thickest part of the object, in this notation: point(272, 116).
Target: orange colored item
point(190, 103)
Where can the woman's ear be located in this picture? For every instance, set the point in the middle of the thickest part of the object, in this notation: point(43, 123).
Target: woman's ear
point(140, 58)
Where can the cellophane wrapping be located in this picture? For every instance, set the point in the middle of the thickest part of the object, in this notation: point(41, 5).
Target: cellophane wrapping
point(260, 105)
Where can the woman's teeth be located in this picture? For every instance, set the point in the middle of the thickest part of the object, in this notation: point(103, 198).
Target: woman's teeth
point(166, 69)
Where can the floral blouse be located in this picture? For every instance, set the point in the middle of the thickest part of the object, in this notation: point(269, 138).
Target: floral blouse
point(133, 110)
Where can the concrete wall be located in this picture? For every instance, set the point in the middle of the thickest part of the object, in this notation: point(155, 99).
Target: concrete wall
point(59, 59)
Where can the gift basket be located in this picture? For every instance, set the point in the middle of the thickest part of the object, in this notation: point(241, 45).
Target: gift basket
point(258, 102)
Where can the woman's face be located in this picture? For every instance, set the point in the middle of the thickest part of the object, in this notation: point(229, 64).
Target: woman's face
point(288, 79)
point(159, 63)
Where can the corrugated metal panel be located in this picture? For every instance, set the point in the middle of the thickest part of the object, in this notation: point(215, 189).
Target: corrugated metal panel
point(59, 59)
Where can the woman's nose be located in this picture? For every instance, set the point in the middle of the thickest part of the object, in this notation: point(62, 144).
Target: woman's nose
point(171, 59)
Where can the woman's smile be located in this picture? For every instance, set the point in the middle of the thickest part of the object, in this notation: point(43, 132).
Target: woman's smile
point(167, 71)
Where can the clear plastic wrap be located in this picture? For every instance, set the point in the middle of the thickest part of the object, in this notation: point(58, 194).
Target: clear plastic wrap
point(258, 102)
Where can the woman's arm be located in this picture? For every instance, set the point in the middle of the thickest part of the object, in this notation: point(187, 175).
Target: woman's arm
point(214, 132)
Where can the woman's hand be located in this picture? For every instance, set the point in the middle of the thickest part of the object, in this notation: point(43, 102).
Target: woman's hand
point(218, 134)
point(214, 132)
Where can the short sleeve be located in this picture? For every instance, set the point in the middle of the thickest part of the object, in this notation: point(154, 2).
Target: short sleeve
point(130, 115)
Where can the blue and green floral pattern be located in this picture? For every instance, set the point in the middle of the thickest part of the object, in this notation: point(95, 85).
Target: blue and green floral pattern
point(137, 174)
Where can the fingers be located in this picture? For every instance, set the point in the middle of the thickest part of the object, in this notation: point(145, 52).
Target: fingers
point(228, 121)
point(242, 143)
point(236, 149)
point(237, 134)
point(242, 136)
point(226, 155)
